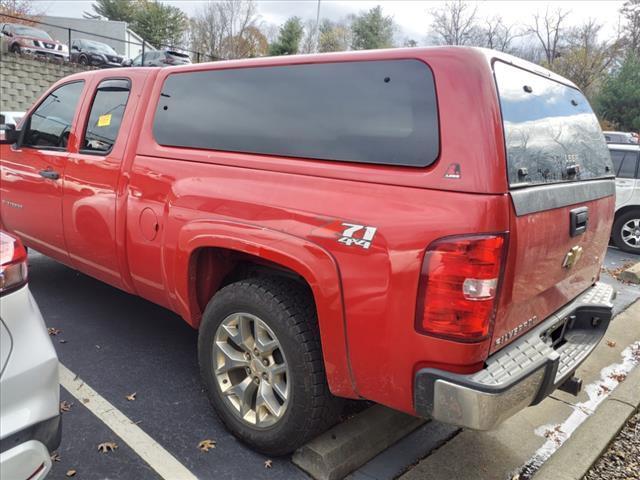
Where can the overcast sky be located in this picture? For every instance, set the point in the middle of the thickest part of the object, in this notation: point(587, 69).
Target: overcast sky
point(412, 16)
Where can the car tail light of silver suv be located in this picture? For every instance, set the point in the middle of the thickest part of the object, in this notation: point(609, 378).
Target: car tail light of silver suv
point(13, 263)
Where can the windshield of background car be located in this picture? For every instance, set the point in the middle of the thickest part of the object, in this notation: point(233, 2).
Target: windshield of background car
point(100, 47)
point(551, 133)
point(31, 32)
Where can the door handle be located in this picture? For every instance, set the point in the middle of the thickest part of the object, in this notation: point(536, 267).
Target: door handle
point(50, 174)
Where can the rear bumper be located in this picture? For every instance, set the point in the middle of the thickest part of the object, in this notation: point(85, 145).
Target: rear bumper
point(48, 433)
point(29, 460)
point(522, 373)
point(29, 388)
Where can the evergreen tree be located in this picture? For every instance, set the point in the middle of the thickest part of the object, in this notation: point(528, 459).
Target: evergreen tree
point(372, 30)
point(289, 38)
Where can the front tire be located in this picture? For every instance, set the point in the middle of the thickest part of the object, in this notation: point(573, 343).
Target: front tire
point(83, 60)
point(626, 232)
point(261, 361)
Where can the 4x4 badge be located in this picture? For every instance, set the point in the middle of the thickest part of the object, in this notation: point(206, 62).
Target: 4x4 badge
point(358, 235)
point(572, 257)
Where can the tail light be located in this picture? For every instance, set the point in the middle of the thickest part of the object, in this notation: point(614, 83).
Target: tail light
point(458, 286)
point(13, 263)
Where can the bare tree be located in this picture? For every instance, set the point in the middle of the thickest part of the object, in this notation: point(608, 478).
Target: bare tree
point(308, 43)
point(223, 29)
point(585, 59)
point(631, 13)
point(334, 36)
point(499, 36)
point(455, 23)
point(25, 9)
point(549, 30)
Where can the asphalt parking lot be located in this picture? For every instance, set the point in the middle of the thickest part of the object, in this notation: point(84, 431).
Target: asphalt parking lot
point(119, 344)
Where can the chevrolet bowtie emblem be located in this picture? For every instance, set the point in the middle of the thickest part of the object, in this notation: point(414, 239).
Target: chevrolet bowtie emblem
point(572, 257)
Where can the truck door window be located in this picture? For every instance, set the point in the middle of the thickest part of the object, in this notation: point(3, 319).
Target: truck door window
point(105, 117)
point(49, 125)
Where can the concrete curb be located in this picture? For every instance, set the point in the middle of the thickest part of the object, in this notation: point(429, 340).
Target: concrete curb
point(351, 444)
point(576, 456)
point(631, 274)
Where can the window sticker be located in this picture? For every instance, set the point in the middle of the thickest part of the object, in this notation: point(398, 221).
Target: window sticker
point(104, 120)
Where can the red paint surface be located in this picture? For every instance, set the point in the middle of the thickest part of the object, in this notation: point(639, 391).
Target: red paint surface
point(288, 212)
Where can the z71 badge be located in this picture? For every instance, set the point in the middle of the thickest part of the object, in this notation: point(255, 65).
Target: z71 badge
point(358, 235)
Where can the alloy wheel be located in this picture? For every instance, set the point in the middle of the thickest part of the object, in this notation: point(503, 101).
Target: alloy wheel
point(251, 370)
point(630, 233)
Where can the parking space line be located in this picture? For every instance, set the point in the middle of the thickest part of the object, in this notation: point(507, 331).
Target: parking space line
point(142, 444)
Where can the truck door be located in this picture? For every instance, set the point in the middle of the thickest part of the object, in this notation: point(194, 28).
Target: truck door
point(31, 181)
point(91, 180)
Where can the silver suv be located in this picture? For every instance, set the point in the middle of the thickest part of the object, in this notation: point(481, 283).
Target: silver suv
point(626, 227)
point(30, 427)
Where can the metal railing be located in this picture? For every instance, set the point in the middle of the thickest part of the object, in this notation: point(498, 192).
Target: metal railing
point(196, 57)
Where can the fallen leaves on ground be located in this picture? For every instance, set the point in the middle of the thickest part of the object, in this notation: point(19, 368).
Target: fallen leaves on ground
point(131, 397)
point(268, 463)
point(611, 343)
point(618, 376)
point(53, 331)
point(55, 457)
point(206, 445)
point(65, 406)
point(71, 473)
point(615, 272)
point(107, 447)
point(603, 390)
point(85, 400)
point(554, 431)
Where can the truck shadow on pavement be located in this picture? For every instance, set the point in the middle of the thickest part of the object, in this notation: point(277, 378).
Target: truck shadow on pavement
point(120, 344)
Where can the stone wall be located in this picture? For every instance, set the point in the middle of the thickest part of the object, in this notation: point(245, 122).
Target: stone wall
point(23, 79)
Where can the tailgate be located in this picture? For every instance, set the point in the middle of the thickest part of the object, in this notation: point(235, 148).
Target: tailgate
point(563, 196)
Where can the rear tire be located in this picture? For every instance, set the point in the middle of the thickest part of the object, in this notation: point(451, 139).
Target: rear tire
point(626, 232)
point(284, 310)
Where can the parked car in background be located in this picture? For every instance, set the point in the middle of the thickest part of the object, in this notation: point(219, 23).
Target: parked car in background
point(620, 137)
point(329, 228)
point(11, 118)
point(90, 52)
point(159, 58)
point(30, 426)
point(18, 38)
point(626, 227)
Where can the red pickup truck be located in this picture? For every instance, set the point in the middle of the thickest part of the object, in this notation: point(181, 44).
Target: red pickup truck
point(423, 228)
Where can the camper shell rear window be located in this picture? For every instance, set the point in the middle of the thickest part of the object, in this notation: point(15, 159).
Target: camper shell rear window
point(551, 133)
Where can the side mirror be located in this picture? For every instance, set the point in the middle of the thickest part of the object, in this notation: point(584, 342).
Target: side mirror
point(8, 34)
point(8, 134)
point(75, 47)
point(127, 62)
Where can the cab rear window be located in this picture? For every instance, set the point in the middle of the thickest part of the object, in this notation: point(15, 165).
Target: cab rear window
point(551, 133)
point(381, 112)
